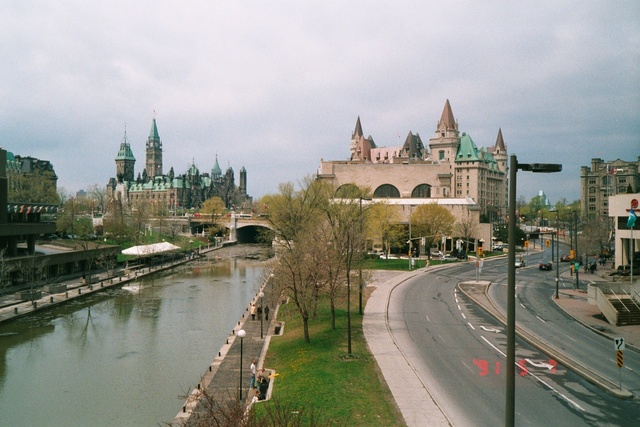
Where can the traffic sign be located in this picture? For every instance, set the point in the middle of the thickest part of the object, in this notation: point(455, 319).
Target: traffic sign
point(619, 343)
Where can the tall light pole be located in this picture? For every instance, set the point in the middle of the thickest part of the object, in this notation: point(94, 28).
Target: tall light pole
point(557, 295)
point(364, 249)
point(409, 242)
point(576, 261)
point(241, 334)
point(510, 406)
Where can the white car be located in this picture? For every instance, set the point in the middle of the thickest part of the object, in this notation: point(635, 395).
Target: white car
point(520, 263)
point(448, 258)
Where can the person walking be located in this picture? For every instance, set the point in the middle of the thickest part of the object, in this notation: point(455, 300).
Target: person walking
point(253, 373)
point(253, 312)
point(266, 313)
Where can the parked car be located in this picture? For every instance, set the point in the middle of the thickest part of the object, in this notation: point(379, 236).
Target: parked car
point(520, 263)
point(625, 270)
point(545, 265)
point(448, 258)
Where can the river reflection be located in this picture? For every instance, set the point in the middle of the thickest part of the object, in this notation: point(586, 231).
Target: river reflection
point(124, 356)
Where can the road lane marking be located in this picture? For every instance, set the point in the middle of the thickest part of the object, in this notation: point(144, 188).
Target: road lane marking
point(537, 378)
point(541, 319)
point(471, 326)
point(496, 330)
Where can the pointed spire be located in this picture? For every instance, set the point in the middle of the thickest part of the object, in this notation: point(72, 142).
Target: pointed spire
point(358, 129)
point(153, 135)
point(447, 121)
point(500, 147)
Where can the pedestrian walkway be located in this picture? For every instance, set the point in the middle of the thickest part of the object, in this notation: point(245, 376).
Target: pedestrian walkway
point(575, 303)
point(229, 375)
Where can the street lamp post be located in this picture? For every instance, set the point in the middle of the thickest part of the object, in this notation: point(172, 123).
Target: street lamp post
point(557, 295)
point(262, 312)
point(364, 249)
point(241, 334)
point(577, 257)
point(409, 242)
point(511, 280)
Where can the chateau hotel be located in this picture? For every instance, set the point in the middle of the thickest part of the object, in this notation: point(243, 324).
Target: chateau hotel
point(453, 171)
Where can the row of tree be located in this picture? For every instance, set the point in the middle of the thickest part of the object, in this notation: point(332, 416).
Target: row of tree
point(321, 240)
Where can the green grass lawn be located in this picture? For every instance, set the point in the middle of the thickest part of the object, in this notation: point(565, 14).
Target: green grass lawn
point(341, 389)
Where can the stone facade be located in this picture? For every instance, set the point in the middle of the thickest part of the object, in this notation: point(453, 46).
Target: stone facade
point(604, 179)
point(452, 167)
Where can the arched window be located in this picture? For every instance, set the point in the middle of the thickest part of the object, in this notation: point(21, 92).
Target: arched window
point(347, 191)
point(386, 191)
point(421, 191)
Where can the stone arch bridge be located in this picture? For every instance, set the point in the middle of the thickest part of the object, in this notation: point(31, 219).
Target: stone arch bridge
point(241, 228)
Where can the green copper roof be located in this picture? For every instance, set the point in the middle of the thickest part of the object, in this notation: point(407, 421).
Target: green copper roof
point(153, 135)
point(125, 152)
point(467, 151)
point(216, 172)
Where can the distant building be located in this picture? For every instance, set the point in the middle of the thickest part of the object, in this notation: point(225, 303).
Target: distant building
point(604, 179)
point(452, 166)
point(544, 199)
point(30, 180)
point(627, 240)
point(20, 222)
point(172, 191)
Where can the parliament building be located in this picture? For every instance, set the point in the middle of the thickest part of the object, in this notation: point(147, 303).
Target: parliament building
point(172, 191)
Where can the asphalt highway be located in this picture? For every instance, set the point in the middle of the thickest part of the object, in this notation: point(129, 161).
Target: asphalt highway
point(457, 349)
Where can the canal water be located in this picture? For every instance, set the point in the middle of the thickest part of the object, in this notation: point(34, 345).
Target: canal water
point(128, 356)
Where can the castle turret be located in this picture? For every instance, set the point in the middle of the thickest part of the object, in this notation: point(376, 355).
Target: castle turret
point(125, 162)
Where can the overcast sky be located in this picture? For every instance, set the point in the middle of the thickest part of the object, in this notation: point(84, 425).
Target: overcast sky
point(276, 86)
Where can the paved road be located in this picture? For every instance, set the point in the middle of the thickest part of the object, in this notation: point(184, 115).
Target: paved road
point(414, 389)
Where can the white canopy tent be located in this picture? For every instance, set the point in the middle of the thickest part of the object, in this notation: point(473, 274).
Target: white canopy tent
point(155, 248)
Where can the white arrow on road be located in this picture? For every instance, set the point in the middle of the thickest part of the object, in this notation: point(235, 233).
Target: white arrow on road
point(540, 365)
point(496, 330)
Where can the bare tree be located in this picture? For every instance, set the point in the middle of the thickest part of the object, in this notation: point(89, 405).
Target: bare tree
point(116, 221)
point(467, 228)
point(4, 271)
point(33, 272)
point(293, 216)
point(98, 194)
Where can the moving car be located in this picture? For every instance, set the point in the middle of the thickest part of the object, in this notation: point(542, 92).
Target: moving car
point(520, 263)
point(448, 258)
point(566, 258)
point(545, 265)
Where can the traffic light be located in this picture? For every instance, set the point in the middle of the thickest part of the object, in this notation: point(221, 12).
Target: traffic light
point(547, 243)
point(526, 243)
point(479, 251)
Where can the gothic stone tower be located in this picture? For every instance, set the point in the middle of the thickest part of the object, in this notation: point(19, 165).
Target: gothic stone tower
point(125, 161)
point(154, 153)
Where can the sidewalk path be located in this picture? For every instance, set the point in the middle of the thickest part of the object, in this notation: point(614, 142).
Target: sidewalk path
point(416, 404)
point(228, 378)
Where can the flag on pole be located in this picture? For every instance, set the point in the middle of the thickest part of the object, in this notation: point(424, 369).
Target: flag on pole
point(632, 218)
